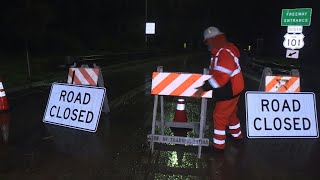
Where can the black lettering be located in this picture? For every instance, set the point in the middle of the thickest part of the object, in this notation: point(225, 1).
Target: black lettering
point(64, 114)
point(81, 115)
point(295, 123)
point(51, 110)
point(91, 116)
point(86, 98)
point(303, 122)
point(274, 124)
point(265, 125)
point(296, 105)
point(58, 113)
point(72, 96)
point(255, 126)
point(286, 105)
point(78, 98)
point(63, 95)
point(287, 123)
point(74, 115)
point(273, 104)
point(264, 102)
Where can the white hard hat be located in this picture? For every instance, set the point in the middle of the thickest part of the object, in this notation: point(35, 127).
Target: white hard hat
point(211, 32)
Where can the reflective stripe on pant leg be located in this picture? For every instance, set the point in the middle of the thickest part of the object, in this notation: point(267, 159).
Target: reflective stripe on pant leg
point(219, 137)
point(234, 125)
point(221, 117)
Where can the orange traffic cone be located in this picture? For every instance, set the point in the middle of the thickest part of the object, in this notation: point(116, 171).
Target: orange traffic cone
point(4, 105)
point(181, 117)
point(181, 114)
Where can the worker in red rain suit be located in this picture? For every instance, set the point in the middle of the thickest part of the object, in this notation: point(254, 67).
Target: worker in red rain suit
point(227, 85)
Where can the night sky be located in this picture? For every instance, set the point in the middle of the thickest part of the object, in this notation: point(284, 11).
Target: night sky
point(59, 27)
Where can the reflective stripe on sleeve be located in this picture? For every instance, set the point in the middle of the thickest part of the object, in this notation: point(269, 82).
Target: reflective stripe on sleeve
point(237, 71)
point(213, 83)
point(222, 69)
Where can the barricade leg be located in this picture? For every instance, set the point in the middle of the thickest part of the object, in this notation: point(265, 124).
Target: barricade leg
point(154, 118)
point(202, 117)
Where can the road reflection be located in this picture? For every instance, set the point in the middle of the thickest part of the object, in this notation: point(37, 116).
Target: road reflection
point(5, 118)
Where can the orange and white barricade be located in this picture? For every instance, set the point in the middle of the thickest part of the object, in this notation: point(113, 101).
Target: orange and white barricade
point(178, 84)
point(85, 75)
point(282, 84)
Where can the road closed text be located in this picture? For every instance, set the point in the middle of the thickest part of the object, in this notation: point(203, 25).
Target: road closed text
point(69, 113)
point(281, 123)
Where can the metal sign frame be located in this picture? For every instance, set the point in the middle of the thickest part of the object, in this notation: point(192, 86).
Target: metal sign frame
point(268, 72)
point(100, 83)
point(199, 127)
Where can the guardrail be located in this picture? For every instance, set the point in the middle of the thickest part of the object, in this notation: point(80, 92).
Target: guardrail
point(106, 59)
point(278, 68)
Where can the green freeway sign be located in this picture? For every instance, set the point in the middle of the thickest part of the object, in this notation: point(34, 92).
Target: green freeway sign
point(296, 17)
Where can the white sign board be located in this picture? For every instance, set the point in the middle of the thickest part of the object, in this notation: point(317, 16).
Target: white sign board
point(150, 28)
point(281, 115)
point(293, 41)
point(294, 29)
point(178, 140)
point(293, 54)
point(75, 106)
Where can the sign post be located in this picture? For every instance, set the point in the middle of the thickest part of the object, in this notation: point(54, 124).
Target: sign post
point(150, 30)
point(295, 19)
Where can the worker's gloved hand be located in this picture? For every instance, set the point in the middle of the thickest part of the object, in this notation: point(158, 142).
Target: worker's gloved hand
point(206, 86)
point(199, 92)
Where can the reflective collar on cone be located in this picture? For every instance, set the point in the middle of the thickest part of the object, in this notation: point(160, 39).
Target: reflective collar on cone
point(181, 107)
point(2, 93)
point(1, 86)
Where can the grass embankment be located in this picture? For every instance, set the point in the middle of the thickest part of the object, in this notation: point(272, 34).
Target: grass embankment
point(14, 70)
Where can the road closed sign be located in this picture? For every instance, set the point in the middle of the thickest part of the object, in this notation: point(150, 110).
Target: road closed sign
point(281, 115)
point(74, 106)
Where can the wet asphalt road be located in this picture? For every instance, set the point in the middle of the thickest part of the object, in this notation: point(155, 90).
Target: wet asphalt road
point(119, 149)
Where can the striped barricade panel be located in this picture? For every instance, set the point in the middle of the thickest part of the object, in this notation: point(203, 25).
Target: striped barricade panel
point(177, 84)
point(282, 84)
point(83, 76)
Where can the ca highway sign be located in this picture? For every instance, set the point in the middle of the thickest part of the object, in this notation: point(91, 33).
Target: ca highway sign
point(293, 41)
point(296, 17)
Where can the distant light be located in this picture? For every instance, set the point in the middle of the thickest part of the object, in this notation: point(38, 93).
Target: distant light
point(184, 45)
point(150, 28)
point(249, 48)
